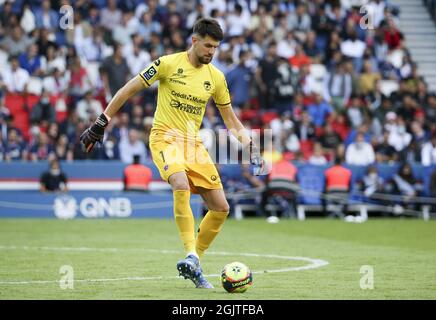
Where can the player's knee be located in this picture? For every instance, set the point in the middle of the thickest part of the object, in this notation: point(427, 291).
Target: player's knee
point(181, 186)
point(179, 182)
point(223, 207)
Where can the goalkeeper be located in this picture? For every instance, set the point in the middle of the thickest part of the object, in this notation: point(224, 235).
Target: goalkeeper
point(186, 82)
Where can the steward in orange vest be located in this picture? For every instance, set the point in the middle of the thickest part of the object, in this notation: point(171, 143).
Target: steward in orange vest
point(137, 177)
point(337, 185)
point(281, 188)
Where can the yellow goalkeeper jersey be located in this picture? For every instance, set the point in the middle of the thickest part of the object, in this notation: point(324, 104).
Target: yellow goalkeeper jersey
point(183, 93)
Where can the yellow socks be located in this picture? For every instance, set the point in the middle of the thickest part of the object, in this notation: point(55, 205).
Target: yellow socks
point(209, 228)
point(184, 219)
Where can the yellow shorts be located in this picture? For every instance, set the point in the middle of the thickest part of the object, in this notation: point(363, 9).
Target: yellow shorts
point(171, 155)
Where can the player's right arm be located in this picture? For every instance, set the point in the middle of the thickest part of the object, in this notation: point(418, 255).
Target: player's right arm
point(155, 71)
point(95, 133)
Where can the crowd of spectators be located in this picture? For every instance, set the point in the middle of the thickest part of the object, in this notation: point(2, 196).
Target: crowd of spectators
point(326, 80)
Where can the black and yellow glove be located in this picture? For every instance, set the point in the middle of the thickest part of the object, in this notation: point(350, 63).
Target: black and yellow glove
point(94, 133)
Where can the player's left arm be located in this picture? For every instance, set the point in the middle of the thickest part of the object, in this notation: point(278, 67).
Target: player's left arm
point(238, 130)
point(234, 125)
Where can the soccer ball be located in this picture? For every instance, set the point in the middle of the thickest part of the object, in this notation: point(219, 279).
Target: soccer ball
point(236, 277)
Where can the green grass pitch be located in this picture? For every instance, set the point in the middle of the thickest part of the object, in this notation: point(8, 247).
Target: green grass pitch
point(136, 259)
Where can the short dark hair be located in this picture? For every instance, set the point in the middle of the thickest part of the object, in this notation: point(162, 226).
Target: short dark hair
point(208, 27)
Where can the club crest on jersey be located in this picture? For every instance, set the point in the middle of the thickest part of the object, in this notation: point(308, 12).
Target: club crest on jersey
point(207, 85)
point(149, 73)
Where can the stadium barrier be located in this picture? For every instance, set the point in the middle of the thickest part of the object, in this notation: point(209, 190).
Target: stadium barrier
point(86, 204)
point(96, 191)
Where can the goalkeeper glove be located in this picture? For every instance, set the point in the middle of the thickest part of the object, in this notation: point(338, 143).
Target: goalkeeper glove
point(95, 133)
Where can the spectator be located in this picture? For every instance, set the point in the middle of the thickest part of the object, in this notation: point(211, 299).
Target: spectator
point(428, 153)
point(15, 78)
point(266, 74)
point(46, 17)
point(300, 58)
point(42, 149)
point(292, 143)
point(329, 139)
point(338, 87)
point(319, 110)
point(110, 16)
point(53, 180)
point(372, 182)
point(132, 146)
point(93, 48)
point(137, 59)
point(399, 138)
point(406, 185)
point(384, 152)
point(89, 108)
point(307, 81)
point(305, 129)
point(300, 21)
point(317, 158)
point(56, 83)
point(16, 42)
point(137, 177)
point(80, 83)
point(286, 86)
point(45, 40)
point(63, 149)
point(115, 71)
point(148, 26)
point(286, 45)
point(360, 153)
point(43, 112)
point(15, 148)
point(355, 112)
point(123, 32)
point(31, 61)
point(368, 79)
point(392, 36)
point(238, 81)
point(238, 21)
point(52, 61)
point(209, 5)
point(354, 48)
point(311, 49)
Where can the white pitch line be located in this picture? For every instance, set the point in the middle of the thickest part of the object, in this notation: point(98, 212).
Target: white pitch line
point(313, 263)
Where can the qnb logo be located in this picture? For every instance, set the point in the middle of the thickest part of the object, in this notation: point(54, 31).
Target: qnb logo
point(89, 207)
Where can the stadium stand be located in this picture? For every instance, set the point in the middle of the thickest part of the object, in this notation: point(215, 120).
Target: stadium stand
point(365, 74)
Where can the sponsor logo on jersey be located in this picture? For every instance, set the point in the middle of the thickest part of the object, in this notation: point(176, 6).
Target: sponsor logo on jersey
point(157, 62)
point(186, 107)
point(188, 97)
point(177, 81)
